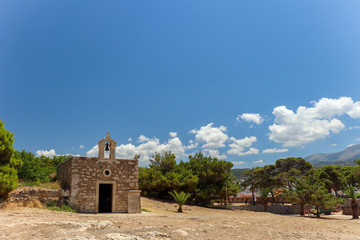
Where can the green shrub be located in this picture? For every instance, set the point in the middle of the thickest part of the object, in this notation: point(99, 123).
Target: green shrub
point(62, 208)
point(8, 162)
point(38, 169)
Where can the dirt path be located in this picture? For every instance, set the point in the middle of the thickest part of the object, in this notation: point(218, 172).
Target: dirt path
point(163, 222)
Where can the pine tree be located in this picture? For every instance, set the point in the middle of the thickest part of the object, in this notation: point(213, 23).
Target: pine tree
point(8, 163)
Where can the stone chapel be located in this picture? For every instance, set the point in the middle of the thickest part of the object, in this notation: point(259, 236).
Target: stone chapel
point(103, 184)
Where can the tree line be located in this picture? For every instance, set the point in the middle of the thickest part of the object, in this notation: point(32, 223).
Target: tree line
point(207, 179)
point(303, 184)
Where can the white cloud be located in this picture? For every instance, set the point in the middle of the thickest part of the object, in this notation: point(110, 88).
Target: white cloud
point(142, 138)
point(354, 127)
point(192, 146)
point(238, 146)
point(250, 117)
point(212, 137)
point(93, 152)
point(358, 139)
point(355, 111)
point(350, 145)
point(81, 146)
point(258, 162)
point(46, 153)
point(309, 124)
point(173, 134)
point(237, 163)
point(129, 139)
point(275, 150)
point(334, 144)
point(214, 153)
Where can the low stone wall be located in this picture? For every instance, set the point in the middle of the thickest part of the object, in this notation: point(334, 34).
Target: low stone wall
point(30, 193)
point(347, 210)
point(278, 209)
point(258, 200)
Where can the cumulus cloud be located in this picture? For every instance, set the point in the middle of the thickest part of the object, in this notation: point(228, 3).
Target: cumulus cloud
point(275, 150)
point(81, 146)
point(308, 124)
point(258, 162)
point(142, 138)
point(214, 153)
point(192, 145)
point(172, 134)
point(237, 163)
point(355, 111)
point(250, 117)
point(211, 137)
point(51, 153)
point(238, 146)
point(129, 140)
point(93, 152)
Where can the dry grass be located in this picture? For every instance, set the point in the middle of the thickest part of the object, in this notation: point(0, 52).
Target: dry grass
point(46, 185)
point(10, 206)
point(33, 203)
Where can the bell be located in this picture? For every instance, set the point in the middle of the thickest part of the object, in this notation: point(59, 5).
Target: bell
point(107, 146)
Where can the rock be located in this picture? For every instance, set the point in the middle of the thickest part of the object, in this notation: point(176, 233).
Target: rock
point(181, 232)
point(121, 236)
point(157, 234)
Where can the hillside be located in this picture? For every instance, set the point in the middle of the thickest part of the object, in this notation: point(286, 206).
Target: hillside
point(238, 172)
point(342, 158)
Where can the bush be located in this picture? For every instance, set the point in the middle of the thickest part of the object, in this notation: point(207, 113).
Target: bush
point(38, 169)
point(63, 207)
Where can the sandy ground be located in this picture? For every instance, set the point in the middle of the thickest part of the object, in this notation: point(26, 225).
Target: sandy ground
point(163, 222)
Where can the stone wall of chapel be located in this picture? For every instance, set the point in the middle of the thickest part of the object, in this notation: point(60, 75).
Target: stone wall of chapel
point(87, 173)
point(64, 174)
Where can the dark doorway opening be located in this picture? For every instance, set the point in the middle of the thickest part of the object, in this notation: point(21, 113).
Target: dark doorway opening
point(105, 198)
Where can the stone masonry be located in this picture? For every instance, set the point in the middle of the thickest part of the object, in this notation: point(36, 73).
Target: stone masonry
point(101, 184)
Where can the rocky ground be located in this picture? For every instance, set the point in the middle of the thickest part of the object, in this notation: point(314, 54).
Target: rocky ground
point(163, 222)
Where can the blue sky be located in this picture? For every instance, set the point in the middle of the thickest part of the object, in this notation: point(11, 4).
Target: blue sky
point(166, 75)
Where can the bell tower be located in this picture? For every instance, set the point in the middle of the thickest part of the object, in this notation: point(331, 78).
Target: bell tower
point(107, 144)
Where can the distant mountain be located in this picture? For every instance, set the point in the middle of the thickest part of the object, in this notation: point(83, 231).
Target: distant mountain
point(342, 158)
point(239, 172)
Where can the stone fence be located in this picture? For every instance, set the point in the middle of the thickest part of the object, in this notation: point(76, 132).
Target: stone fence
point(278, 209)
point(30, 193)
point(258, 200)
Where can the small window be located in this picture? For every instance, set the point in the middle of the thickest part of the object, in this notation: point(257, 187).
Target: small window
point(107, 172)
